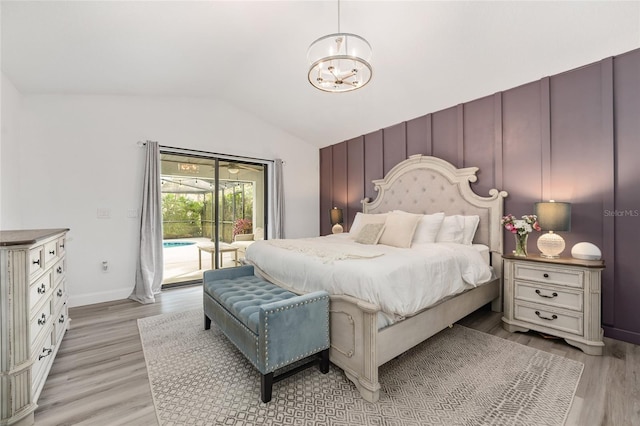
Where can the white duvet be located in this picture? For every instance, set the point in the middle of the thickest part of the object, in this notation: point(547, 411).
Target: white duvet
point(400, 281)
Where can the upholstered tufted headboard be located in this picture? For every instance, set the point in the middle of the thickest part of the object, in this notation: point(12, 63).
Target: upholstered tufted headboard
point(423, 184)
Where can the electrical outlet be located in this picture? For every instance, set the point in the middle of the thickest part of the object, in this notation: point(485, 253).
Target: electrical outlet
point(132, 213)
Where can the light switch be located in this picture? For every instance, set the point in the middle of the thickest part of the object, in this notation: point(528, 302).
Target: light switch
point(104, 213)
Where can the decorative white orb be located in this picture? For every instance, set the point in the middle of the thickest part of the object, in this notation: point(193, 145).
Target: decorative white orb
point(586, 251)
point(337, 229)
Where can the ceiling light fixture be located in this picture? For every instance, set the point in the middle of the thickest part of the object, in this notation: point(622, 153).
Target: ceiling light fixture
point(233, 169)
point(339, 62)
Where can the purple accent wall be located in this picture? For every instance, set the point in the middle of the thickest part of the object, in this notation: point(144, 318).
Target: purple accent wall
point(571, 137)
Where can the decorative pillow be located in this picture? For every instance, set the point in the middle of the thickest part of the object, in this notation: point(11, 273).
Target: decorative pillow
point(451, 230)
point(362, 219)
point(399, 229)
point(427, 229)
point(370, 233)
point(470, 228)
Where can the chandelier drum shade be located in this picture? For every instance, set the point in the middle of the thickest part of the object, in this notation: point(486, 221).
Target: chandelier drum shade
point(339, 62)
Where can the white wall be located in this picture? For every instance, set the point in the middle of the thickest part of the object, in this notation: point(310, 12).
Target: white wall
point(80, 153)
point(10, 113)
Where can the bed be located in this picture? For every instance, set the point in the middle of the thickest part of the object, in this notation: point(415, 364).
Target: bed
point(363, 334)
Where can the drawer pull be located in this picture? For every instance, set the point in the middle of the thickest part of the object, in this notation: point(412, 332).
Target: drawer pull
point(59, 293)
point(45, 353)
point(554, 316)
point(42, 320)
point(42, 289)
point(62, 245)
point(52, 252)
point(36, 262)
point(554, 294)
point(545, 275)
point(59, 270)
point(61, 319)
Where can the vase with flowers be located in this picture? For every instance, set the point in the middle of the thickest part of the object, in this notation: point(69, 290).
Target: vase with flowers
point(521, 228)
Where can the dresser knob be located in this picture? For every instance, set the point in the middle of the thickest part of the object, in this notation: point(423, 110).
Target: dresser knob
point(59, 270)
point(42, 289)
point(42, 320)
point(59, 293)
point(554, 294)
point(554, 316)
point(36, 262)
point(61, 319)
point(546, 275)
point(52, 252)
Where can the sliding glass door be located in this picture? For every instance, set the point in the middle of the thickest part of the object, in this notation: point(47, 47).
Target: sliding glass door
point(208, 203)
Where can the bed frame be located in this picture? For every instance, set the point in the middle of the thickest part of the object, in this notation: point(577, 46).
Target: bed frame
point(420, 184)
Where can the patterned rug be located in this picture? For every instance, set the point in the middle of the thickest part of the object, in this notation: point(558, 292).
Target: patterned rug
point(458, 377)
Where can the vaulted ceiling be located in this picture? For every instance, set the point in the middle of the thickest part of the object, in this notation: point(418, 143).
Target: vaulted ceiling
point(427, 55)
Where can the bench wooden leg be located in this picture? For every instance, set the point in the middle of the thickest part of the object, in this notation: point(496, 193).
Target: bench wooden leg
point(266, 385)
point(207, 322)
point(324, 361)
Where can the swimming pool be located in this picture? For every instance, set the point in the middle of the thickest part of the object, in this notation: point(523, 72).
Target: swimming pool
point(169, 244)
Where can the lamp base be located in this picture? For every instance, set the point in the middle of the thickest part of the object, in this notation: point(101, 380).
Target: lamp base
point(550, 245)
point(337, 229)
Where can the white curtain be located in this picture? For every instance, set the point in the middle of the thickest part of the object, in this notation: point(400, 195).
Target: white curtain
point(278, 200)
point(150, 261)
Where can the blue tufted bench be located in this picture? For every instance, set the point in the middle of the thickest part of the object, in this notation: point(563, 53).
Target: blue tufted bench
point(272, 327)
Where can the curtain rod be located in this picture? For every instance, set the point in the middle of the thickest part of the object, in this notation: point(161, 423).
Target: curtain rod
point(197, 152)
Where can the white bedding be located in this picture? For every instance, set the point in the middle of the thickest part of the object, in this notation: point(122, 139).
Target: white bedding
point(400, 281)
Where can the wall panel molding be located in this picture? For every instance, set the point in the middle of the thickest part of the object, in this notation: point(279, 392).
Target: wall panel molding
point(574, 136)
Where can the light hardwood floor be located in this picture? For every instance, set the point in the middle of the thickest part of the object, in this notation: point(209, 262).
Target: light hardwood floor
point(99, 375)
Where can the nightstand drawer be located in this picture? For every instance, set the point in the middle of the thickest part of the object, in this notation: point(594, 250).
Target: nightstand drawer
point(551, 318)
point(550, 275)
point(549, 295)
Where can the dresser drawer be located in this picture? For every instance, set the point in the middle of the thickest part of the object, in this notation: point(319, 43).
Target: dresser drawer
point(50, 252)
point(39, 291)
point(550, 275)
point(567, 298)
point(36, 261)
point(59, 270)
point(59, 295)
point(60, 323)
point(569, 322)
point(42, 359)
point(62, 241)
point(40, 322)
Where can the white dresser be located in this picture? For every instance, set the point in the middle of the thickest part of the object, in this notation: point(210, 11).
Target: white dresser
point(559, 297)
point(33, 317)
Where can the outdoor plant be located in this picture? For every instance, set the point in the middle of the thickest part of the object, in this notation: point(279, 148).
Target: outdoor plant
point(242, 226)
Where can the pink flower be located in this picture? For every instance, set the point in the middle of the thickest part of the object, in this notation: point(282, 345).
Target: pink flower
point(537, 227)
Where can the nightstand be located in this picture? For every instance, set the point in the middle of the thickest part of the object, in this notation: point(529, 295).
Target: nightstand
point(559, 297)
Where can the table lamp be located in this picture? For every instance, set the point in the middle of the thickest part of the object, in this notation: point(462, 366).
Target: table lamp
point(552, 217)
point(335, 214)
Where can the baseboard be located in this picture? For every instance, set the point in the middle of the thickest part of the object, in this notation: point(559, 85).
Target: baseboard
point(624, 335)
point(99, 297)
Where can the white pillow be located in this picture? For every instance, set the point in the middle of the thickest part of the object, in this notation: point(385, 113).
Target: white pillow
point(370, 233)
point(399, 229)
point(362, 219)
point(470, 228)
point(427, 229)
point(451, 230)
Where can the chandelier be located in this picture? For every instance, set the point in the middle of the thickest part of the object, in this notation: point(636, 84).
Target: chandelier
point(339, 62)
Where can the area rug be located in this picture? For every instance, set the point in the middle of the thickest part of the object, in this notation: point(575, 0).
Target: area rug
point(458, 377)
